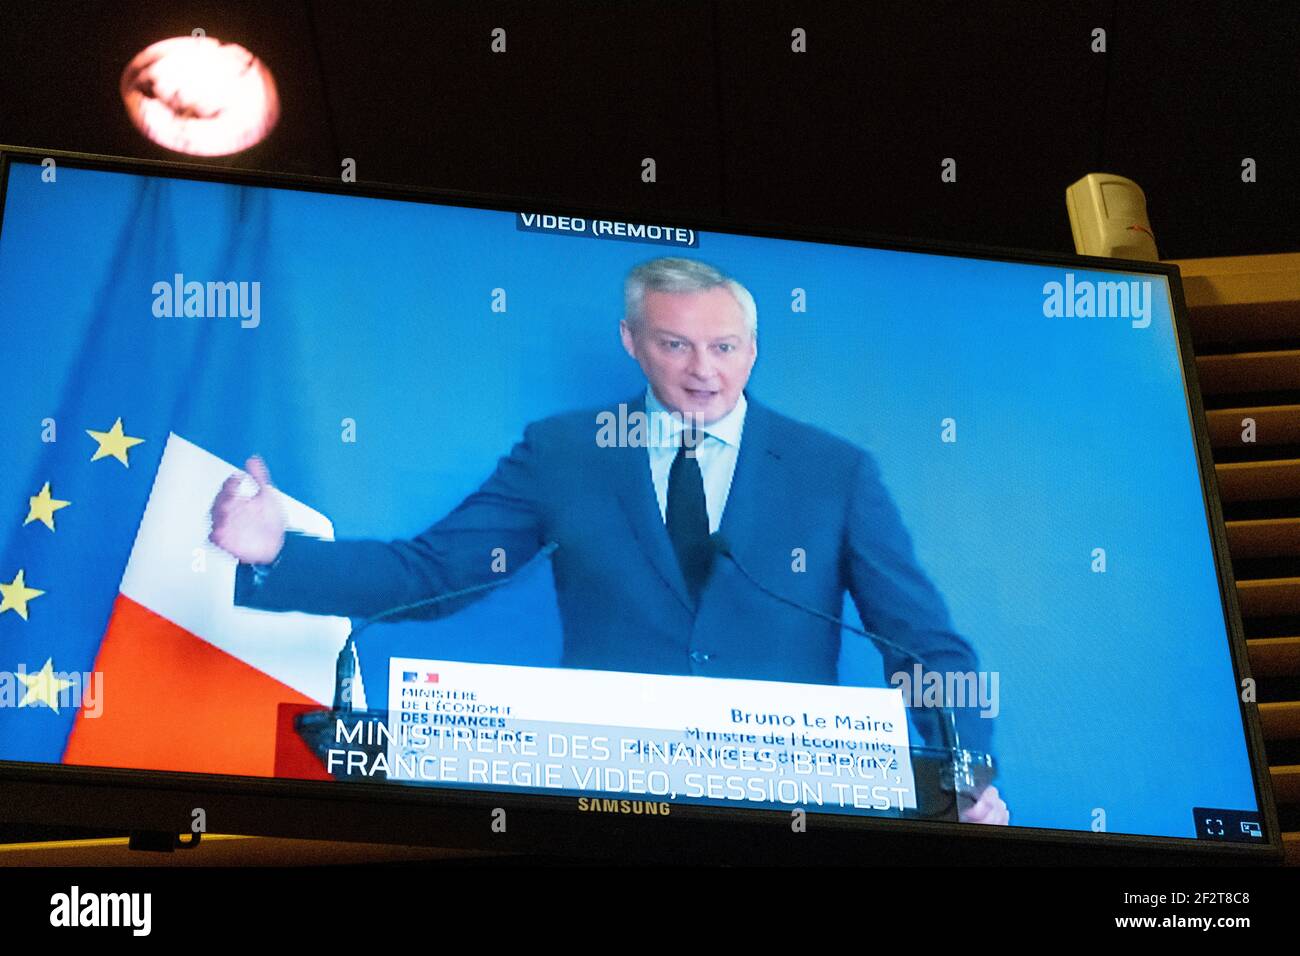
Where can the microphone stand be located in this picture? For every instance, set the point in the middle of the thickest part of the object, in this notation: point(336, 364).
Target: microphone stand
point(315, 726)
point(959, 767)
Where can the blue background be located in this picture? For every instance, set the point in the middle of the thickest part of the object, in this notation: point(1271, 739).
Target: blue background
point(1116, 689)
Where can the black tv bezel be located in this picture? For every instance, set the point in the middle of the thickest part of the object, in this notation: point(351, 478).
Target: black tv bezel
point(128, 801)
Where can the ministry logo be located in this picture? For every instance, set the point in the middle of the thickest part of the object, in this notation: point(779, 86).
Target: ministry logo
point(418, 677)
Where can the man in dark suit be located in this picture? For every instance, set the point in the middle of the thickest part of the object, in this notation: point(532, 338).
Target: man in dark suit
point(639, 497)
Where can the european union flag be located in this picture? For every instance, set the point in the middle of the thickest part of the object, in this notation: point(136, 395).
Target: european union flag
point(80, 473)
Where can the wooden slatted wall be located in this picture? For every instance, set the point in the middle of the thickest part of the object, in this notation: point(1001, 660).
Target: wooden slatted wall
point(1245, 324)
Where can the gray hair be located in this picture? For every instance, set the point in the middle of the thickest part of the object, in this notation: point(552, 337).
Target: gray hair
point(669, 274)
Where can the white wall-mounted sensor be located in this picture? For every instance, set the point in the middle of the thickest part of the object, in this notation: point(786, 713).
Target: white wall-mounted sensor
point(1108, 216)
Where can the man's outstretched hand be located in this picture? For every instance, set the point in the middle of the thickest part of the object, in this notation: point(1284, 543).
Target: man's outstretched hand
point(989, 808)
point(251, 528)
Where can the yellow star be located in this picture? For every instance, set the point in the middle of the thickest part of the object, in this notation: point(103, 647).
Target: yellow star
point(16, 595)
point(43, 687)
point(43, 507)
point(113, 442)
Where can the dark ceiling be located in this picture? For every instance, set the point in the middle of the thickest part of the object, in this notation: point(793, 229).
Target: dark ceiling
point(849, 134)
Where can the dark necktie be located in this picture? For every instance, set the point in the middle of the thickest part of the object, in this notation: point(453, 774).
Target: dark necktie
point(688, 517)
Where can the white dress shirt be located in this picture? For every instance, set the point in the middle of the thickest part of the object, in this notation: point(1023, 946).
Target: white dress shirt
point(716, 453)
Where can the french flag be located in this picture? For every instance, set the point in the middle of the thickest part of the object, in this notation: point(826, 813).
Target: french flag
point(192, 682)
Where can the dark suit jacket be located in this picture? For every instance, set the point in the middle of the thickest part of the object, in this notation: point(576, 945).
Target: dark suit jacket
point(623, 601)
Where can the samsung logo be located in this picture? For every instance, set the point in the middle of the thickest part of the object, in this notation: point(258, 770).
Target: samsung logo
point(1086, 299)
point(634, 807)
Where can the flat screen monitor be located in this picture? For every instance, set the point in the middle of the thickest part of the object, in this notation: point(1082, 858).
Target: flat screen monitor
point(388, 514)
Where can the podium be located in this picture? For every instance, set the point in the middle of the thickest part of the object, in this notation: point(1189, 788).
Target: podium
point(947, 780)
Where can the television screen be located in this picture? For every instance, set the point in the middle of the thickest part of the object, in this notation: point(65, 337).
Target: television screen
point(422, 497)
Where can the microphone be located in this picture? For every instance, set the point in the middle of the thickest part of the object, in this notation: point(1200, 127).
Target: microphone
point(947, 719)
point(345, 669)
